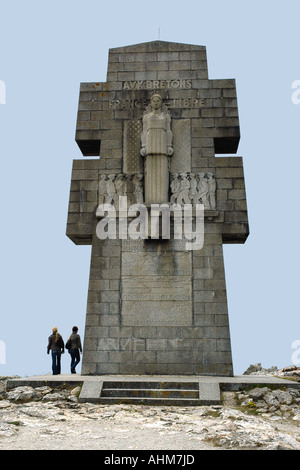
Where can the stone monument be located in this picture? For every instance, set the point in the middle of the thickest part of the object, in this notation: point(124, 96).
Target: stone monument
point(157, 123)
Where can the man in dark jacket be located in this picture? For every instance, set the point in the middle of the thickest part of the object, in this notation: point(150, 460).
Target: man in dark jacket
point(75, 349)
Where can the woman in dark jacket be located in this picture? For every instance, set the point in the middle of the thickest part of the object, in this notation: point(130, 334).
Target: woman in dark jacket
point(75, 346)
point(56, 346)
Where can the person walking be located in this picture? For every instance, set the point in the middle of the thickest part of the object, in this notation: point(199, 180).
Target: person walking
point(75, 348)
point(56, 346)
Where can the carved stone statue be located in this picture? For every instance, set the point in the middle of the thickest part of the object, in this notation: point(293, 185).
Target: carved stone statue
point(183, 197)
point(156, 140)
point(189, 188)
point(129, 190)
point(211, 182)
point(110, 190)
point(202, 190)
point(113, 186)
point(193, 189)
point(120, 188)
point(175, 188)
point(138, 188)
point(120, 185)
point(102, 189)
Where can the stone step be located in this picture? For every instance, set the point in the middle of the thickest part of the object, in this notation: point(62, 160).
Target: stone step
point(90, 391)
point(209, 393)
point(151, 393)
point(149, 401)
point(151, 385)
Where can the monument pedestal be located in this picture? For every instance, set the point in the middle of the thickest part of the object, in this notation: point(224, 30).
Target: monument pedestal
point(156, 308)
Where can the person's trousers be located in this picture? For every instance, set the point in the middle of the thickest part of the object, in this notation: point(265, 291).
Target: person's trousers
point(56, 355)
point(75, 358)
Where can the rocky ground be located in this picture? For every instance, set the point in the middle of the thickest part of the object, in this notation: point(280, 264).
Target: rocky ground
point(45, 418)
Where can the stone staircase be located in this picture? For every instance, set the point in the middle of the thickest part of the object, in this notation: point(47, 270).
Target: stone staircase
point(179, 393)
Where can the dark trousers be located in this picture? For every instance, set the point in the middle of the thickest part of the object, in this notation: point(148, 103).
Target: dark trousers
point(56, 355)
point(75, 358)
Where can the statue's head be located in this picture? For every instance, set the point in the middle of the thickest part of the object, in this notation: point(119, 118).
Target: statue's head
point(156, 101)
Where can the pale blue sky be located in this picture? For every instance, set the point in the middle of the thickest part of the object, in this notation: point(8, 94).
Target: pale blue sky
point(47, 49)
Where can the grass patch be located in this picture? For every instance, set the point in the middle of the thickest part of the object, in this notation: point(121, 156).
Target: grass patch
point(213, 413)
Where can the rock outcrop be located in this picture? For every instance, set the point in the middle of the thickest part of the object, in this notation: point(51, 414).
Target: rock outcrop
point(289, 371)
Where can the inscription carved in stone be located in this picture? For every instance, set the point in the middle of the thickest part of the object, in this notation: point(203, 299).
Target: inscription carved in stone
point(156, 264)
point(156, 313)
point(156, 84)
point(151, 283)
point(175, 103)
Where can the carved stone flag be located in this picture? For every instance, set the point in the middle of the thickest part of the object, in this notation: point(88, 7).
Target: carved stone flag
point(157, 206)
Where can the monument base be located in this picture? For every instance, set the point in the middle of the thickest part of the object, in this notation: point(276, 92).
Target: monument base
point(156, 308)
point(153, 390)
